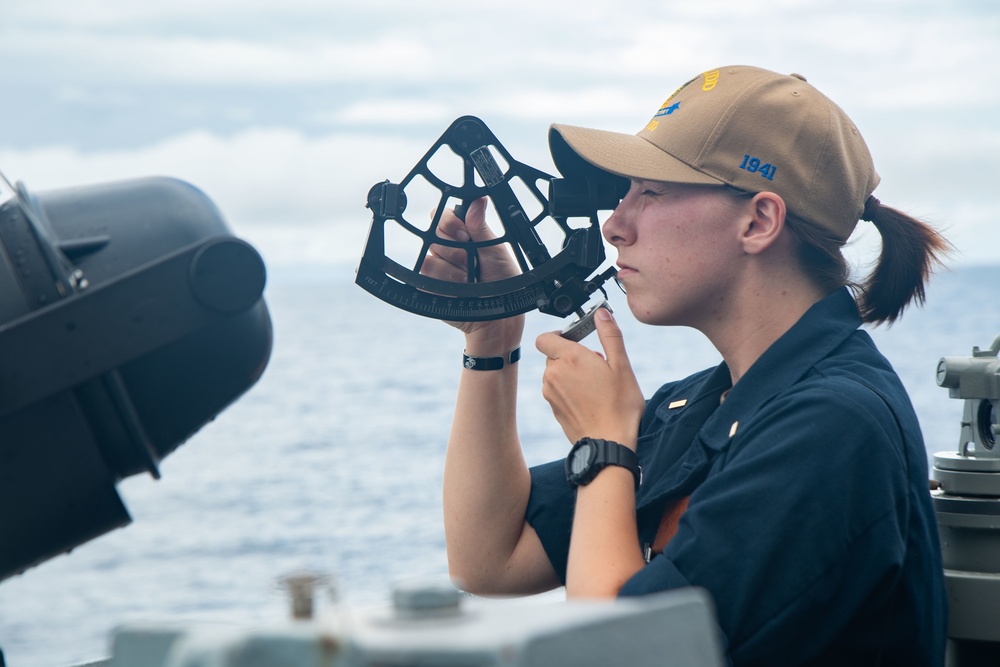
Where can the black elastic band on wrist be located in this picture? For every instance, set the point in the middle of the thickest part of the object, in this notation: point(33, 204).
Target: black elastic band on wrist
point(490, 363)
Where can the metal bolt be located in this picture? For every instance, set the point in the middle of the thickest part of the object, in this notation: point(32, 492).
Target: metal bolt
point(301, 587)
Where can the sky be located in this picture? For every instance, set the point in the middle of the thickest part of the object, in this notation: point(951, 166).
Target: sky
point(285, 112)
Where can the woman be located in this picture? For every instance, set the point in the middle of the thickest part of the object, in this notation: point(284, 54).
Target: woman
point(791, 480)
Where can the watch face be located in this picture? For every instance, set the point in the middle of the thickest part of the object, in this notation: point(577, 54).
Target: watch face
point(580, 458)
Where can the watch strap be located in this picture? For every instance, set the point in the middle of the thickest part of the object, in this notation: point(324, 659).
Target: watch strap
point(607, 453)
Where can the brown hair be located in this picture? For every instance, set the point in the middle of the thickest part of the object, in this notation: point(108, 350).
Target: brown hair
point(911, 249)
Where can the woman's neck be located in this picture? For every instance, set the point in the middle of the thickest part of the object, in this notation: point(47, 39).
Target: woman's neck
point(763, 310)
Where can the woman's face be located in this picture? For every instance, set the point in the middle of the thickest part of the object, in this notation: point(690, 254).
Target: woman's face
point(678, 251)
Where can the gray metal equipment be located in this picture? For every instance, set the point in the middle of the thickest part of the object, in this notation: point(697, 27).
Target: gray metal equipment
point(967, 504)
point(438, 626)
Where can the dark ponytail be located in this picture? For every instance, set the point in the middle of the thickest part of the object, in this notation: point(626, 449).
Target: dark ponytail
point(910, 251)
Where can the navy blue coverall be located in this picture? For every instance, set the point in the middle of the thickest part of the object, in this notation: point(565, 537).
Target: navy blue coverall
point(809, 518)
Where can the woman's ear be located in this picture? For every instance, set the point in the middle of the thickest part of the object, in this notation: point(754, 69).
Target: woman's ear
point(765, 223)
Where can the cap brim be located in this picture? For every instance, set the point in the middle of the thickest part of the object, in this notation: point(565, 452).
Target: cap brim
point(626, 155)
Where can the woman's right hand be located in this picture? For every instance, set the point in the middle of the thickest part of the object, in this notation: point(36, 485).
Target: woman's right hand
point(495, 263)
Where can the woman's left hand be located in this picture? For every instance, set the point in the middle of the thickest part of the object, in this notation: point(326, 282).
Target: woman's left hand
point(592, 395)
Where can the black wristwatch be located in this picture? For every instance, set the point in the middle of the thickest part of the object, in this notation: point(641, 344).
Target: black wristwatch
point(590, 455)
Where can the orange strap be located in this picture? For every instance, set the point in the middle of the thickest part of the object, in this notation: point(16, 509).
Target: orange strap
point(668, 523)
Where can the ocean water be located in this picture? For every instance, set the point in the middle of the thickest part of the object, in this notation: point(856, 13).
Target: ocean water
point(333, 461)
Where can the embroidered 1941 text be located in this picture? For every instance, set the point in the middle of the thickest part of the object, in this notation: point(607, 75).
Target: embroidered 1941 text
point(753, 165)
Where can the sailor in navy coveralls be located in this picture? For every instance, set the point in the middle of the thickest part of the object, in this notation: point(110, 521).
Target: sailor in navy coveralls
point(790, 481)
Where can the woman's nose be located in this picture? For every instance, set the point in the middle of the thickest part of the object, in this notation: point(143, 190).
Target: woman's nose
point(616, 228)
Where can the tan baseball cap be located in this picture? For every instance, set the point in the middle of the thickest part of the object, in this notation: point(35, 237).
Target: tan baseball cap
point(746, 127)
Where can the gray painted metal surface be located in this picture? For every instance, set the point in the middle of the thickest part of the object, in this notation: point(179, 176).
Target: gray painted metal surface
point(676, 628)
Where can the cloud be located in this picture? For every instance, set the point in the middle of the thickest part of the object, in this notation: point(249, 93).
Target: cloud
point(303, 197)
point(391, 42)
point(268, 182)
point(287, 112)
point(383, 111)
point(94, 57)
